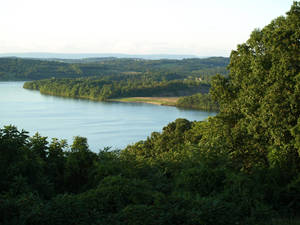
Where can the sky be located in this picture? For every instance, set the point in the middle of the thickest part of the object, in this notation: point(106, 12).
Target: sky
point(197, 27)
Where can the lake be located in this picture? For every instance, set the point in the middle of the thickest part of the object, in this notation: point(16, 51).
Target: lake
point(105, 124)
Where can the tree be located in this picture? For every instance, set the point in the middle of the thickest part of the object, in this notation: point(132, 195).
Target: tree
point(260, 99)
point(80, 164)
point(39, 145)
point(79, 144)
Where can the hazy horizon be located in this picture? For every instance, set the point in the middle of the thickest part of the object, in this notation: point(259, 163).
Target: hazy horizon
point(134, 27)
point(49, 55)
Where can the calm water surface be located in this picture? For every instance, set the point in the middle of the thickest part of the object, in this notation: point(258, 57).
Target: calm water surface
point(103, 123)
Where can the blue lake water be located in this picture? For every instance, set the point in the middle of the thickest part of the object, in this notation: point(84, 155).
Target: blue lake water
point(105, 124)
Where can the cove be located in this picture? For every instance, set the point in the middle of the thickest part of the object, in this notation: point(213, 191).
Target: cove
point(105, 124)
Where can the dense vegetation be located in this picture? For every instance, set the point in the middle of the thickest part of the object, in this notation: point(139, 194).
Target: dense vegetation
point(195, 93)
point(33, 69)
point(102, 89)
point(239, 167)
point(198, 101)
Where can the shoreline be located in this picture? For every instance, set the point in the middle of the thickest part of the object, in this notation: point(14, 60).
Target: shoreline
point(166, 101)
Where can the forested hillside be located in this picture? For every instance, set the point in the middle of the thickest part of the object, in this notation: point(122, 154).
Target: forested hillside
point(34, 69)
point(239, 167)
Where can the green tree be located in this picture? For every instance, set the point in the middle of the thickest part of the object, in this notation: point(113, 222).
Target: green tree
point(260, 100)
point(79, 144)
point(80, 165)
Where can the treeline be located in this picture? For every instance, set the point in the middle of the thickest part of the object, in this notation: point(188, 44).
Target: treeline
point(36, 69)
point(102, 89)
point(198, 101)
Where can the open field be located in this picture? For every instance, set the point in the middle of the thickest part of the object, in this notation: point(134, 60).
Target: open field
point(170, 101)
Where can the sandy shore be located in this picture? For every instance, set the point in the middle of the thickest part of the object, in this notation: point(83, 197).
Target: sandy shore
point(170, 101)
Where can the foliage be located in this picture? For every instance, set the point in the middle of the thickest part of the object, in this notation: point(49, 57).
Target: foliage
point(239, 167)
point(36, 69)
point(198, 101)
point(105, 88)
point(259, 100)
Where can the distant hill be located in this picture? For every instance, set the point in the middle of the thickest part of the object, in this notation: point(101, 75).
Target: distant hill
point(46, 55)
point(14, 68)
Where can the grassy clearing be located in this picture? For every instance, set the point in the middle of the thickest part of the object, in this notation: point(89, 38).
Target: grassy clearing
point(170, 101)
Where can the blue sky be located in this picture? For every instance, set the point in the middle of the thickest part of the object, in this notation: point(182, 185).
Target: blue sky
point(199, 27)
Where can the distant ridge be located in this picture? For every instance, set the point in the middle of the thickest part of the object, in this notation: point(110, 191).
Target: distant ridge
point(45, 55)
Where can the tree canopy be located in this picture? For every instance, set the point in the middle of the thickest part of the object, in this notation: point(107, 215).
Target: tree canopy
point(260, 99)
point(108, 87)
point(36, 69)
